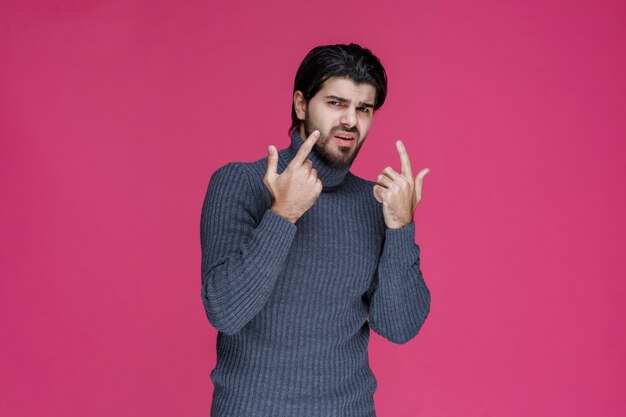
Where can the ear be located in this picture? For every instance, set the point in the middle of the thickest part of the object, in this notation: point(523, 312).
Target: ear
point(299, 104)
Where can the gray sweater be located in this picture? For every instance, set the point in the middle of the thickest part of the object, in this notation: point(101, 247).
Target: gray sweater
point(294, 303)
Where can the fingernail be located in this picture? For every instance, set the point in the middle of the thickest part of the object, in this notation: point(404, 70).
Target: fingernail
point(316, 132)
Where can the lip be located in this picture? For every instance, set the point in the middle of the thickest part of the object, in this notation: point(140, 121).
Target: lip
point(347, 134)
point(344, 142)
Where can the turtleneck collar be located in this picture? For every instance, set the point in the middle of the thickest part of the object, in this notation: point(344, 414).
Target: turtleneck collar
point(330, 177)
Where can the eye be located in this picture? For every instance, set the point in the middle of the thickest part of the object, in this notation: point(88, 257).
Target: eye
point(333, 103)
point(364, 109)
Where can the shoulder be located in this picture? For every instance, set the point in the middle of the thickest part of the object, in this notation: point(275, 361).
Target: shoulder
point(241, 179)
point(226, 181)
point(230, 168)
point(235, 172)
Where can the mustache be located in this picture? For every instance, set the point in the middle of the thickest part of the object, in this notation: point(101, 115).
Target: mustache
point(344, 129)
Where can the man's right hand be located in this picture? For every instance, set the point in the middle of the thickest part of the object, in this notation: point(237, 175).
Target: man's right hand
point(295, 190)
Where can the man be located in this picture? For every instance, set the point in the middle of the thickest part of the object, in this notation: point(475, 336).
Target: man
point(300, 257)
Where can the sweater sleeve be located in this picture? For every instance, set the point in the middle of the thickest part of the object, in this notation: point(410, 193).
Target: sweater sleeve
point(399, 300)
point(241, 259)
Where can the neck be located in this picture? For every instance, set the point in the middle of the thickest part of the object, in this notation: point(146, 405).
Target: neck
point(330, 176)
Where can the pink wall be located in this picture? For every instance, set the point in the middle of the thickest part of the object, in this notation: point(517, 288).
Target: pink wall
point(114, 114)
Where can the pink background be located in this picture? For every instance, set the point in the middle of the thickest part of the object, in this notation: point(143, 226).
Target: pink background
point(114, 114)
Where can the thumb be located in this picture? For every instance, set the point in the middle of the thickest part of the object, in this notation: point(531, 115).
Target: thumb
point(272, 161)
point(419, 181)
point(376, 196)
point(419, 178)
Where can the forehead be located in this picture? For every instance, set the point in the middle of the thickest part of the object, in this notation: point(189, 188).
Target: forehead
point(348, 89)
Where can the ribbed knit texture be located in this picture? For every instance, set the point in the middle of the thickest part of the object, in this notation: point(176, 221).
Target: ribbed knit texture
point(291, 302)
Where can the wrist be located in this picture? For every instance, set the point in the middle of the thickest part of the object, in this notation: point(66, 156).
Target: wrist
point(283, 214)
point(399, 225)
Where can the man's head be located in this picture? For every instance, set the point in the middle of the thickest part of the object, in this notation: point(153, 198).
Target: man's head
point(336, 90)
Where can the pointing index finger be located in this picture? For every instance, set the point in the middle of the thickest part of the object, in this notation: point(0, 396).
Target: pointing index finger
point(306, 147)
point(407, 171)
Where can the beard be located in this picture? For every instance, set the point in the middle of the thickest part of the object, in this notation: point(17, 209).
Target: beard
point(347, 156)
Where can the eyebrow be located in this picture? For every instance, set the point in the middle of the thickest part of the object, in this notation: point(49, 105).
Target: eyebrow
point(345, 100)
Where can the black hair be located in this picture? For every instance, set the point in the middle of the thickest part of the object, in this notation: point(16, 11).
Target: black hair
point(346, 61)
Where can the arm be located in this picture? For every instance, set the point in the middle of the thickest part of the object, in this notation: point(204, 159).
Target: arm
point(399, 300)
point(241, 259)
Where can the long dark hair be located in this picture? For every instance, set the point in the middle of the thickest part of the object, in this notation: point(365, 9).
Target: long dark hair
point(347, 61)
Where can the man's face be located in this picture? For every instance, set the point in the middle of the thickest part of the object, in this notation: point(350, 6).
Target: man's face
point(342, 111)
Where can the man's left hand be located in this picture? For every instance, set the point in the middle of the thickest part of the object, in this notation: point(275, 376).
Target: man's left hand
point(399, 193)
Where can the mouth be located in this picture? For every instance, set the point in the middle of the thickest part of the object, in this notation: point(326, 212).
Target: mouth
point(345, 138)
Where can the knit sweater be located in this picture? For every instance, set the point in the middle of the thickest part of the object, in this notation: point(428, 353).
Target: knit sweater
point(294, 303)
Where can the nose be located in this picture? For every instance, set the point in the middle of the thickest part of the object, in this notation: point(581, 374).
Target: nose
point(348, 117)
